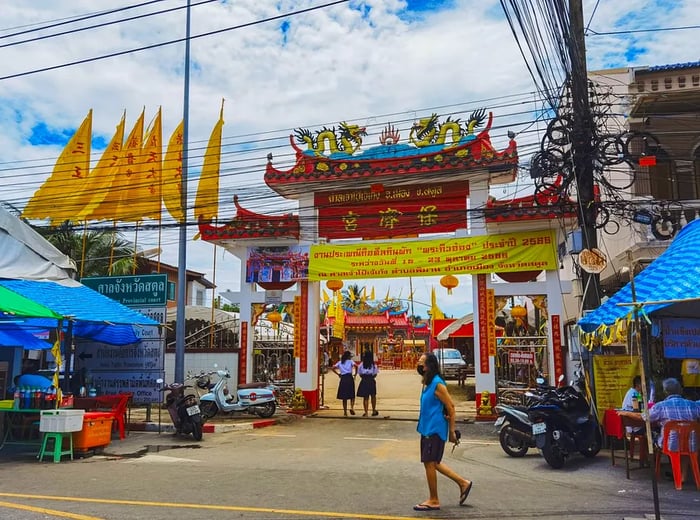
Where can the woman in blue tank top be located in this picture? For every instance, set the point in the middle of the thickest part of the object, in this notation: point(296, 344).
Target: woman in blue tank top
point(436, 425)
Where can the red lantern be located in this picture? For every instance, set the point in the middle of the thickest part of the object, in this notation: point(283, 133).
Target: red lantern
point(449, 282)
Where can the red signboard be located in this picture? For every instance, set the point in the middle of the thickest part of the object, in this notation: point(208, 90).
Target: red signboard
point(556, 348)
point(392, 211)
point(243, 353)
point(304, 326)
point(483, 323)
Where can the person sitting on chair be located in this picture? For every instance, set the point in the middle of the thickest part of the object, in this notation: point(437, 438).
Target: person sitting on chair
point(673, 408)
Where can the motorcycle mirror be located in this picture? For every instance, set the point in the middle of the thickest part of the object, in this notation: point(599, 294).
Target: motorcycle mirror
point(159, 381)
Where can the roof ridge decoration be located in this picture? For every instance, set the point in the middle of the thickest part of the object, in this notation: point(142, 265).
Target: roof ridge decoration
point(433, 146)
point(250, 225)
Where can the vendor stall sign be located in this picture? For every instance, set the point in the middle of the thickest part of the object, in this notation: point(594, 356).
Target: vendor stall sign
point(392, 211)
point(681, 338)
point(511, 252)
point(613, 376)
point(144, 386)
point(143, 290)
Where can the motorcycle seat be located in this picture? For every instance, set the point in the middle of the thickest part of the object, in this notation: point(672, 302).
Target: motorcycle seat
point(257, 384)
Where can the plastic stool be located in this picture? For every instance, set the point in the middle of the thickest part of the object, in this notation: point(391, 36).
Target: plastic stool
point(58, 450)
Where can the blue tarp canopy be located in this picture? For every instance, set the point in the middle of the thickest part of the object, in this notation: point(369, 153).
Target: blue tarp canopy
point(673, 278)
point(12, 335)
point(93, 315)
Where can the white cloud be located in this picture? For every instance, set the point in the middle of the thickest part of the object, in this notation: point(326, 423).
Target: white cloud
point(335, 65)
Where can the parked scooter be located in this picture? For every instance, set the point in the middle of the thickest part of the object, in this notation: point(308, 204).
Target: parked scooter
point(514, 426)
point(254, 398)
point(563, 422)
point(183, 409)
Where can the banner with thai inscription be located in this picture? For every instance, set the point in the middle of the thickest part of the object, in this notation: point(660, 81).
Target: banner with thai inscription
point(557, 352)
point(398, 211)
point(481, 294)
point(612, 376)
point(511, 252)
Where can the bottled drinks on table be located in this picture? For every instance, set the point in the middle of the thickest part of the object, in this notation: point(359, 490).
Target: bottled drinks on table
point(18, 398)
point(635, 403)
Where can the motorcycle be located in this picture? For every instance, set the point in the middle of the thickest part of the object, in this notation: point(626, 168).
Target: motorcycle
point(514, 426)
point(563, 423)
point(254, 398)
point(183, 409)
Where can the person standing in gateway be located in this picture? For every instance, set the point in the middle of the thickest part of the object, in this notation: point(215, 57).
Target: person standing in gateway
point(346, 370)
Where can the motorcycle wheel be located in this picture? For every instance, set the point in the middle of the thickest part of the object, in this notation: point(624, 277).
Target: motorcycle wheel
point(266, 410)
point(552, 453)
point(197, 431)
point(594, 446)
point(207, 410)
point(511, 444)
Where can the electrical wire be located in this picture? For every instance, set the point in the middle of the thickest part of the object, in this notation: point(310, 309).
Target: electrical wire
point(175, 41)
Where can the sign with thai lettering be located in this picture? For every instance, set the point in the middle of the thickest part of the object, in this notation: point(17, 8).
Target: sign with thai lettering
point(396, 211)
point(557, 351)
point(133, 291)
point(519, 357)
point(681, 338)
point(510, 252)
point(613, 376)
point(483, 323)
point(143, 386)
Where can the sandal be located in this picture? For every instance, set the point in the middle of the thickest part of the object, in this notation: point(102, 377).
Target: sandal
point(375, 413)
point(352, 412)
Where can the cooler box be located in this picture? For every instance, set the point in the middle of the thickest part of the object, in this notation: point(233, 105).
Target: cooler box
point(96, 432)
point(61, 421)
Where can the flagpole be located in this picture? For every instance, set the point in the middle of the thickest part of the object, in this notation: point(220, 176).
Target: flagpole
point(182, 253)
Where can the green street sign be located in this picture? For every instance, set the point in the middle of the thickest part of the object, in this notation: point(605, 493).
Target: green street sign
point(143, 290)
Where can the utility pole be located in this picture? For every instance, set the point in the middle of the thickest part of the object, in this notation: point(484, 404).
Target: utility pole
point(582, 148)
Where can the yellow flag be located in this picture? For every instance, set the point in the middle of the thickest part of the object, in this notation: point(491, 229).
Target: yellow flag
point(325, 296)
point(339, 323)
point(64, 192)
point(206, 205)
point(435, 312)
point(146, 189)
point(115, 205)
point(102, 174)
point(371, 295)
point(172, 175)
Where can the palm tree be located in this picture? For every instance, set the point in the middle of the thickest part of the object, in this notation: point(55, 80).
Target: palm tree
point(105, 252)
point(352, 297)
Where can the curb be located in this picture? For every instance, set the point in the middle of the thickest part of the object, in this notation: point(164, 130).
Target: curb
point(210, 427)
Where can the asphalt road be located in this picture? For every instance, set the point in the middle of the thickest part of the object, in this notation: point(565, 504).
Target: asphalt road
point(322, 468)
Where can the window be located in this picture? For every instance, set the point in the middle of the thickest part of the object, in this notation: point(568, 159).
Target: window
point(654, 84)
point(669, 179)
point(668, 83)
point(681, 81)
point(199, 297)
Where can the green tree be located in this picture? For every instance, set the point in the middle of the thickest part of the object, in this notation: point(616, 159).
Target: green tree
point(352, 296)
point(105, 252)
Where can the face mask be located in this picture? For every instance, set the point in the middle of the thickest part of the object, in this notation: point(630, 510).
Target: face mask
point(420, 369)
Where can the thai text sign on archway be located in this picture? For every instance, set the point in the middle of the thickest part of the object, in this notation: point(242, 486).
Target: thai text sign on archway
point(511, 252)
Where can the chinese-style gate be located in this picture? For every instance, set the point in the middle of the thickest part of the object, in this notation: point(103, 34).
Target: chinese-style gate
point(393, 195)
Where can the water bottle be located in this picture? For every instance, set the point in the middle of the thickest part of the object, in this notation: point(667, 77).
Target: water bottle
point(26, 398)
point(18, 398)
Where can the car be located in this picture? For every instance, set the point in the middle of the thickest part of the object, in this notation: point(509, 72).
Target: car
point(452, 363)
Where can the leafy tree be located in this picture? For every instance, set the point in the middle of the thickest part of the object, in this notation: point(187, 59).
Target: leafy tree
point(106, 252)
point(352, 296)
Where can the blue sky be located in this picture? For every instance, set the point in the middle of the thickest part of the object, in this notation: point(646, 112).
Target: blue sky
point(368, 62)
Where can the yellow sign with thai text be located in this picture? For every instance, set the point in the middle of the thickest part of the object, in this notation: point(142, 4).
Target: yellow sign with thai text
point(613, 376)
point(511, 252)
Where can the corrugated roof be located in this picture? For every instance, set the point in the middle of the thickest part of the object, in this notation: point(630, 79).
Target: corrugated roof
point(674, 66)
point(77, 302)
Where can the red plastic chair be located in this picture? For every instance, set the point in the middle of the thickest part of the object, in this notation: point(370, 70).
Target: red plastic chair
point(117, 405)
point(680, 438)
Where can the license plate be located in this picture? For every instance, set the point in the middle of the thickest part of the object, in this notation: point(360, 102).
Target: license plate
point(539, 428)
point(500, 421)
point(193, 410)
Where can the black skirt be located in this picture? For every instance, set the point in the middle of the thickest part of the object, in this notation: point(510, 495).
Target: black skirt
point(368, 386)
point(346, 387)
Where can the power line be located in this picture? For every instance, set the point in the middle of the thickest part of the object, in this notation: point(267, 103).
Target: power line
point(96, 26)
point(633, 31)
point(172, 42)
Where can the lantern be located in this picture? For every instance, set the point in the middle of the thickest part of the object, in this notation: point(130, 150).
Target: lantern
point(518, 311)
point(334, 285)
point(274, 317)
point(449, 282)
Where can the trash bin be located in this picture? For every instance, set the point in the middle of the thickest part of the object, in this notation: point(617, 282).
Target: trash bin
point(96, 432)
